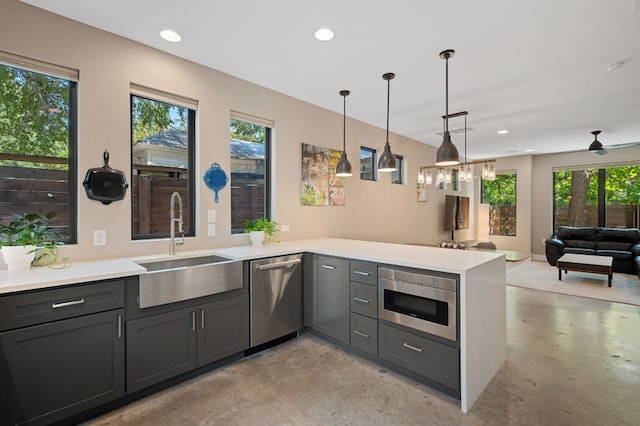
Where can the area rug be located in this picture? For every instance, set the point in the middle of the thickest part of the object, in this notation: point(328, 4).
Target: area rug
point(625, 288)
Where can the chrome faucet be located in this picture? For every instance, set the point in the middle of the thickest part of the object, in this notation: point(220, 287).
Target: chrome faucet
point(172, 214)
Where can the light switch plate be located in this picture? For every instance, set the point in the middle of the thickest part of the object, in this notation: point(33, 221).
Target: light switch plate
point(211, 216)
point(99, 237)
point(211, 229)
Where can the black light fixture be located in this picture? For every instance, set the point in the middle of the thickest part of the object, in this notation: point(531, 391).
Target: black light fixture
point(596, 145)
point(343, 169)
point(387, 161)
point(447, 154)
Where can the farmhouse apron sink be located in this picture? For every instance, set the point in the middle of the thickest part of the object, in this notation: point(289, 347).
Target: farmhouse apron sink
point(174, 280)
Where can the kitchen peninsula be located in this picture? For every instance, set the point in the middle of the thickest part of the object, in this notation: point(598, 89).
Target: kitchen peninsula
point(480, 278)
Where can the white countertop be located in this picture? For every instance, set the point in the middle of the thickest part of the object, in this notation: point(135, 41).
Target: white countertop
point(445, 260)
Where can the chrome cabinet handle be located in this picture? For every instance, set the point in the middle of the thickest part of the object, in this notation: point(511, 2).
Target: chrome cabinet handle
point(361, 300)
point(279, 264)
point(201, 318)
point(413, 348)
point(328, 267)
point(193, 320)
point(360, 333)
point(65, 304)
point(119, 326)
point(365, 273)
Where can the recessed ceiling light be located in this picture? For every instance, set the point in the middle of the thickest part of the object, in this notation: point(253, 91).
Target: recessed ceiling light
point(503, 132)
point(529, 150)
point(170, 35)
point(324, 34)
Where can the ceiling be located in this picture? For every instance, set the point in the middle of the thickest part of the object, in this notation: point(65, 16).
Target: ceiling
point(537, 68)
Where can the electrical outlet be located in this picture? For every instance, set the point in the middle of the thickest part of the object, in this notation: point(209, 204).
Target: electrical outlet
point(211, 229)
point(284, 228)
point(211, 216)
point(99, 237)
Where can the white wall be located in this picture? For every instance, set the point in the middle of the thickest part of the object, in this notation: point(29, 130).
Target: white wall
point(108, 64)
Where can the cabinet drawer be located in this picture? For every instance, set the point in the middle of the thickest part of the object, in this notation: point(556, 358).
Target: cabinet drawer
point(25, 309)
point(364, 333)
point(364, 272)
point(438, 362)
point(364, 299)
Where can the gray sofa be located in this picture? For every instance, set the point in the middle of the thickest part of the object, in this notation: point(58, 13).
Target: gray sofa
point(622, 244)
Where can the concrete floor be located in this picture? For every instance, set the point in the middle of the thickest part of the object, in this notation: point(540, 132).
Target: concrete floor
point(571, 361)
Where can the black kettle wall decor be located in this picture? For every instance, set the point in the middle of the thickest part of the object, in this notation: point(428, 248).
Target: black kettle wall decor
point(105, 184)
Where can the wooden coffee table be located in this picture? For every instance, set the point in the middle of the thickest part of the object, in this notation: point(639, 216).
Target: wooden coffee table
point(585, 263)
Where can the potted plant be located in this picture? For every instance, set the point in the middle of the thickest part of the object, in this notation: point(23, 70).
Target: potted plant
point(26, 236)
point(258, 228)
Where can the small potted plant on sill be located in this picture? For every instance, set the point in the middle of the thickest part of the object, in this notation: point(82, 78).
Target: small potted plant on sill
point(29, 239)
point(258, 228)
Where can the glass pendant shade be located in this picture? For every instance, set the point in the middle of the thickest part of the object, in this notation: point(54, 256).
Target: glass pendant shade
point(429, 178)
point(387, 161)
point(447, 176)
point(485, 171)
point(468, 173)
point(343, 169)
point(420, 177)
point(440, 175)
point(492, 172)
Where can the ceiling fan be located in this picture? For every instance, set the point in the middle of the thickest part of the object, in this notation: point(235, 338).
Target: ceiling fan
point(597, 148)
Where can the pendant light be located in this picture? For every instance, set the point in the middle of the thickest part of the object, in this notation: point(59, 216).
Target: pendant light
point(343, 169)
point(596, 145)
point(447, 154)
point(387, 161)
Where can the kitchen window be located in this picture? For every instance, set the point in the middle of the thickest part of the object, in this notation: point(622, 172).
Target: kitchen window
point(38, 143)
point(250, 152)
point(367, 163)
point(396, 177)
point(162, 161)
point(500, 194)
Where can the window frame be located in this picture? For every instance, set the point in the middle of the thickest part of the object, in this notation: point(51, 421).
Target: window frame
point(268, 164)
point(71, 76)
point(190, 204)
point(399, 173)
point(374, 165)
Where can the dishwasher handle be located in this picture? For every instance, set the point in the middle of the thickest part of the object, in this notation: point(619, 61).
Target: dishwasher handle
point(279, 264)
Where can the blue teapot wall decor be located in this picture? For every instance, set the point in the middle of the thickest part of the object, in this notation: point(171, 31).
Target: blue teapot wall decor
point(215, 178)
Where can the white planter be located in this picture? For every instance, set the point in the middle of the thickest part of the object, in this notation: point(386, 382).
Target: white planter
point(18, 258)
point(257, 237)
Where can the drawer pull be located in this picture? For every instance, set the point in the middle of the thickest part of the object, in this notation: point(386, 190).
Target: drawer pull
point(365, 273)
point(360, 333)
point(201, 318)
point(413, 348)
point(361, 300)
point(328, 267)
point(65, 304)
point(193, 320)
point(119, 326)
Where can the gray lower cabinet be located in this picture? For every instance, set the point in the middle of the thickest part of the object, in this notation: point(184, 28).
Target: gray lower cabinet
point(434, 360)
point(54, 370)
point(166, 345)
point(364, 333)
point(331, 297)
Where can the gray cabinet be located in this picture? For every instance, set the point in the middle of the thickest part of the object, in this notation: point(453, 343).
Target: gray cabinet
point(166, 345)
point(331, 297)
point(68, 359)
point(431, 359)
point(363, 302)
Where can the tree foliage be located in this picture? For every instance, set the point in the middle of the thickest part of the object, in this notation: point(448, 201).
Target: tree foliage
point(501, 191)
point(244, 131)
point(34, 115)
point(150, 117)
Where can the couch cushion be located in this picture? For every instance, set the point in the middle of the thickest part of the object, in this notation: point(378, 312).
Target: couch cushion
point(617, 255)
point(580, 244)
point(622, 235)
point(577, 250)
point(614, 245)
point(577, 233)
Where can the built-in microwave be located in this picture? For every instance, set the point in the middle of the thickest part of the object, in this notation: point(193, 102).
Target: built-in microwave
point(420, 301)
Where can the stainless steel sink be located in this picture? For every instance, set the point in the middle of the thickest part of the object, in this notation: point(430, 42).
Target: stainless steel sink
point(174, 280)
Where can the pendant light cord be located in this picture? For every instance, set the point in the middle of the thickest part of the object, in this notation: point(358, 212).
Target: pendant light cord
point(446, 94)
point(388, 95)
point(344, 124)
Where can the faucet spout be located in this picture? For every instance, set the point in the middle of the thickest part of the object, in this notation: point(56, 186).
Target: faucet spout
point(174, 220)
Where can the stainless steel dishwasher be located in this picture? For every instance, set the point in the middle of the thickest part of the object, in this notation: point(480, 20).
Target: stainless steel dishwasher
point(275, 286)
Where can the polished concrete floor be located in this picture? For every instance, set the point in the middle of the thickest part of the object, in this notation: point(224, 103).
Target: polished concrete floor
point(571, 361)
